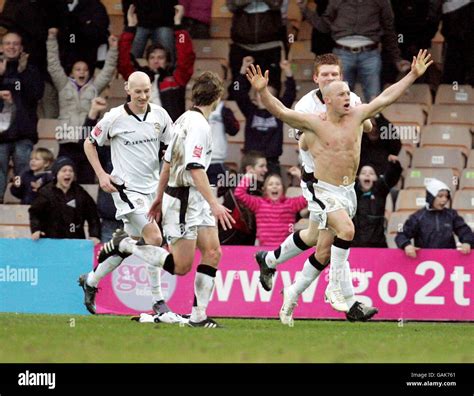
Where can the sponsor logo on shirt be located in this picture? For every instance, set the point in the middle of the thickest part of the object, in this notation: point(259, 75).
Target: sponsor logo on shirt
point(97, 131)
point(157, 127)
point(197, 152)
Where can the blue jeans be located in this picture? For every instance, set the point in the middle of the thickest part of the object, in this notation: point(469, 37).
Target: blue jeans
point(20, 151)
point(364, 67)
point(162, 35)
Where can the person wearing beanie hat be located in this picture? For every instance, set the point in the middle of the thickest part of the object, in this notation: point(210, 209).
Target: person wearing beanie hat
point(433, 226)
point(63, 206)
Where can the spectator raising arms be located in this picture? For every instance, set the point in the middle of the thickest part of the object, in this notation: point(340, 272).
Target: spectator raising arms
point(25, 187)
point(433, 226)
point(63, 206)
point(76, 93)
point(168, 85)
point(275, 214)
point(263, 131)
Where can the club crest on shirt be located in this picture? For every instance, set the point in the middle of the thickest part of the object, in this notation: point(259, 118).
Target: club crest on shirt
point(97, 131)
point(197, 152)
point(140, 203)
point(157, 127)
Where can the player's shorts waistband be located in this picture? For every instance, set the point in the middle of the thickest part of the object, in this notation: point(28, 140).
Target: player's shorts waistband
point(336, 189)
point(181, 193)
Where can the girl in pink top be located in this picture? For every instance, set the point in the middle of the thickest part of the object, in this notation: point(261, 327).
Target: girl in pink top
point(274, 213)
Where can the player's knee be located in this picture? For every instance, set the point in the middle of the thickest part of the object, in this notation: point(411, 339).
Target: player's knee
point(155, 240)
point(323, 254)
point(346, 231)
point(182, 269)
point(212, 256)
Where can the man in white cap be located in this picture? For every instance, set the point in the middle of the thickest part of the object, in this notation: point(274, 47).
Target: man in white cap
point(434, 226)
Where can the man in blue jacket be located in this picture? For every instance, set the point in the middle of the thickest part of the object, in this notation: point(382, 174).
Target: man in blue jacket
point(434, 226)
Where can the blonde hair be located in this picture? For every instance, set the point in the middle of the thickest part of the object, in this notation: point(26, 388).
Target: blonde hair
point(45, 154)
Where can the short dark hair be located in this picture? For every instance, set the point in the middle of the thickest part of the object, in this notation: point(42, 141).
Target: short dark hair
point(207, 88)
point(250, 158)
point(327, 59)
point(156, 47)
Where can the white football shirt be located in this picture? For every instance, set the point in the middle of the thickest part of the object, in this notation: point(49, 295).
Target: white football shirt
point(135, 144)
point(310, 103)
point(190, 147)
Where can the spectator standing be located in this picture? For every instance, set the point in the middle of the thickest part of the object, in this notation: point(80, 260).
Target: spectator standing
point(76, 93)
point(358, 28)
point(155, 20)
point(21, 87)
point(197, 17)
point(434, 226)
point(222, 122)
point(256, 31)
point(63, 206)
point(25, 187)
point(263, 131)
point(372, 192)
point(168, 88)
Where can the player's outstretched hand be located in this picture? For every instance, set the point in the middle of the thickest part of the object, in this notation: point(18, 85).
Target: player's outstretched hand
point(105, 182)
point(222, 214)
point(256, 78)
point(155, 211)
point(420, 63)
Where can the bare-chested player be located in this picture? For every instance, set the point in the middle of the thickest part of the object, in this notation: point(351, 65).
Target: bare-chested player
point(334, 144)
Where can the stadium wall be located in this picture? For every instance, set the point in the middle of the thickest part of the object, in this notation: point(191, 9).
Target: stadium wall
point(437, 285)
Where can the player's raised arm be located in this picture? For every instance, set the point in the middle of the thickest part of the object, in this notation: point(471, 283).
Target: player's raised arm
point(392, 93)
point(293, 118)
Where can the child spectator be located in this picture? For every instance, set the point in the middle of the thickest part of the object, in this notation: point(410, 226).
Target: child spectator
point(372, 192)
point(275, 214)
point(263, 131)
point(222, 122)
point(155, 21)
point(244, 231)
point(433, 226)
point(168, 86)
point(25, 187)
point(62, 207)
point(76, 93)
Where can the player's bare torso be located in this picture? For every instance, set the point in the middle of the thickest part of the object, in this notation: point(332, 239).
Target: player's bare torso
point(335, 148)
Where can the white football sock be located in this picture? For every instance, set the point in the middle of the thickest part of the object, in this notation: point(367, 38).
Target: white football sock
point(307, 275)
point(104, 268)
point(346, 285)
point(339, 257)
point(154, 275)
point(153, 255)
point(203, 287)
point(291, 247)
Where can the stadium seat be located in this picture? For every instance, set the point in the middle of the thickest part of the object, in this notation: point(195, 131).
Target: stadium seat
point(293, 192)
point(418, 177)
point(18, 231)
point(303, 87)
point(289, 134)
point(464, 200)
point(211, 49)
point(50, 144)
point(301, 50)
point(113, 7)
point(405, 158)
point(447, 136)
point(411, 200)
point(47, 127)
point(391, 241)
point(396, 221)
point(407, 119)
point(8, 198)
point(303, 30)
point(303, 70)
point(220, 27)
point(116, 24)
point(220, 10)
point(467, 179)
point(92, 190)
point(117, 89)
point(114, 102)
point(470, 160)
point(14, 214)
point(217, 66)
point(418, 94)
point(234, 154)
point(289, 156)
point(438, 157)
point(468, 218)
point(451, 114)
point(462, 95)
point(294, 12)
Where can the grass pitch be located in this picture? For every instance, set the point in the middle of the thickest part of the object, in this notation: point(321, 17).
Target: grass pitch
point(103, 339)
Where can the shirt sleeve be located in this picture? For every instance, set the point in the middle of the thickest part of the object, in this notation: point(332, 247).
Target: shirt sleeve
point(102, 131)
point(167, 128)
point(167, 156)
point(196, 148)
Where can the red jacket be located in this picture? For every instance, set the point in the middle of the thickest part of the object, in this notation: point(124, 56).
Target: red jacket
point(172, 83)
